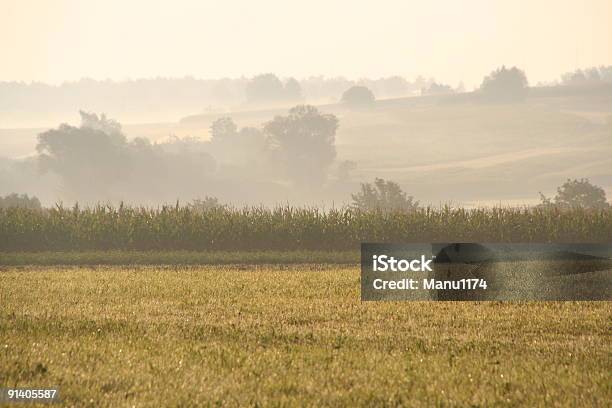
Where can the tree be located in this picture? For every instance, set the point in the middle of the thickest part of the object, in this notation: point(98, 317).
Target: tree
point(358, 97)
point(303, 143)
point(106, 125)
point(223, 129)
point(395, 86)
point(383, 195)
point(89, 158)
point(265, 88)
point(20, 201)
point(589, 76)
point(505, 85)
point(204, 205)
point(95, 162)
point(577, 194)
point(231, 145)
point(344, 170)
point(437, 89)
point(293, 90)
point(178, 168)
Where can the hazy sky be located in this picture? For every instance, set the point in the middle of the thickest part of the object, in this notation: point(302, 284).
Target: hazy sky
point(57, 40)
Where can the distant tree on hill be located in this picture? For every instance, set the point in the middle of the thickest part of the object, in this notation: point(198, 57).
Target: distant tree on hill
point(264, 88)
point(383, 195)
point(588, 76)
point(395, 86)
point(293, 90)
point(20, 201)
point(606, 73)
point(358, 97)
point(88, 158)
point(267, 88)
point(505, 85)
point(96, 162)
point(437, 89)
point(223, 129)
point(577, 194)
point(303, 143)
point(231, 145)
point(109, 126)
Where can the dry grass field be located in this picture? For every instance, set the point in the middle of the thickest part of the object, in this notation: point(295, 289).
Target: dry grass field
point(288, 336)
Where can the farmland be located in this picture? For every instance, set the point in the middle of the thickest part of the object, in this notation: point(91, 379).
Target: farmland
point(171, 228)
point(288, 335)
point(467, 153)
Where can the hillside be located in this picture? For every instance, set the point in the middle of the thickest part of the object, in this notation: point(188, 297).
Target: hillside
point(444, 148)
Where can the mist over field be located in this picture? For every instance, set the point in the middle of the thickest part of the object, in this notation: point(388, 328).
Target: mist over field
point(269, 111)
point(222, 203)
point(439, 145)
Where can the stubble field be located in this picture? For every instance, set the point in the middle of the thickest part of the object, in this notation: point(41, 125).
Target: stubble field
point(294, 335)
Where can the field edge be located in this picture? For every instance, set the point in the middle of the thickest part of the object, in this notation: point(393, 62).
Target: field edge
point(115, 257)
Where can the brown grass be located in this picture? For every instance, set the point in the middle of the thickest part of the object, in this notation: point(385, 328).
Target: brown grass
point(291, 336)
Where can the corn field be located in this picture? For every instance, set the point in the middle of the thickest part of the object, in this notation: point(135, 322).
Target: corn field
point(286, 228)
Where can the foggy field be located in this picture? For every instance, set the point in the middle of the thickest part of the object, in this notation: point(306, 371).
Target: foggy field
point(466, 153)
point(199, 200)
point(288, 335)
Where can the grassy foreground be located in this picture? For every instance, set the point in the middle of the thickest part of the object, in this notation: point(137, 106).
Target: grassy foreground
point(288, 335)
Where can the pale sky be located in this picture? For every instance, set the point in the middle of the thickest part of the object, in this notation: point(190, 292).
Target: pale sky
point(57, 40)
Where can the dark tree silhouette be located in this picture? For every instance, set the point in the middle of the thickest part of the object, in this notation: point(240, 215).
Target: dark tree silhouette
point(303, 143)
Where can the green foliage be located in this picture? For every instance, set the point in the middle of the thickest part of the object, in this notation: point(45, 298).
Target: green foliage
point(578, 194)
point(287, 228)
point(383, 195)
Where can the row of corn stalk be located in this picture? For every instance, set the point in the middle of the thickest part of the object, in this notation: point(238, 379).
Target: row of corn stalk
point(287, 228)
